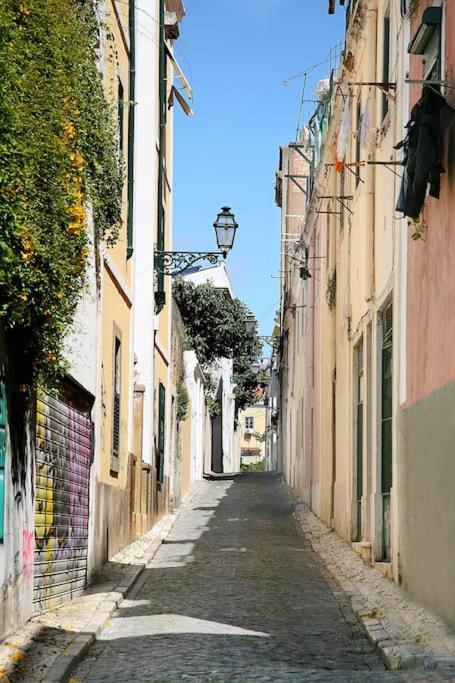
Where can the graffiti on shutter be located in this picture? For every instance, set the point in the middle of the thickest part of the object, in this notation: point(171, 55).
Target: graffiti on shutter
point(63, 455)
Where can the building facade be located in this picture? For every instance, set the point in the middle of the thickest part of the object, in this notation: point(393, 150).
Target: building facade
point(426, 428)
point(253, 435)
point(365, 384)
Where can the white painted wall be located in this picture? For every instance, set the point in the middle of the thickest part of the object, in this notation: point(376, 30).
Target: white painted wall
point(217, 275)
point(194, 380)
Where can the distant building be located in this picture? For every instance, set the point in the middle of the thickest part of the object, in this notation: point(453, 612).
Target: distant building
point(253, 434)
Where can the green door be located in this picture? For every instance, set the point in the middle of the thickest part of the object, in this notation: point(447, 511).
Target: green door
point(161, 431)
point(359, 436)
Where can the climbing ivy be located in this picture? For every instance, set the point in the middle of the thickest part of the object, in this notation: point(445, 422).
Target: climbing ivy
point(58, 158)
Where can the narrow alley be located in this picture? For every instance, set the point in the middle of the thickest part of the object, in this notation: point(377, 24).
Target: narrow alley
point(235, 593)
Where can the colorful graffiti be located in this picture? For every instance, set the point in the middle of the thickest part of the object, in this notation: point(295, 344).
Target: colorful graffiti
point(28, 544)
point(63, 453)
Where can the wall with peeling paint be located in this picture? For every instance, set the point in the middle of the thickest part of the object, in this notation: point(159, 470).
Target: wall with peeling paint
point(16, 549)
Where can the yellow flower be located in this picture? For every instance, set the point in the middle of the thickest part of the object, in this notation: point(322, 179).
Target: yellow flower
point(17, 656)
point(60, 295)
point(24, 297)
point(25, 257)
point(78, 161)
point(24, 10)
point(69, 130)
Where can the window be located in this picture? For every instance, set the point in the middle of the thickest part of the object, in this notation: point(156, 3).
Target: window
point(249, 423)
point(359, 399)
point(385, 62)
point(161, 432)
point(386, 424)
point(116, 389)
point(427, 42)
point(120, 113)
point(2, 455)
point(432, 58)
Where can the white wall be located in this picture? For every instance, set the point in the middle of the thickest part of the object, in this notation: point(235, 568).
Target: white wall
point(145, 211)
point(194, 380)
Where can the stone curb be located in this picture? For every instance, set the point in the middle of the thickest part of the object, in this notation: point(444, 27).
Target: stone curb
point(397, 655)
point(74, 653)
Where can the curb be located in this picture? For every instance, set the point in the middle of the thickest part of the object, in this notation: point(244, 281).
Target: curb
point(75, 652)
point(397, 655)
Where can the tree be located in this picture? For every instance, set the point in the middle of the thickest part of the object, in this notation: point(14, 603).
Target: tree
point(215, 328)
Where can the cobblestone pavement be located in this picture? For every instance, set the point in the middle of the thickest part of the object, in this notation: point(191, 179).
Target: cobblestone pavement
point(400, 627)
point(236, 593)
point(30, 654)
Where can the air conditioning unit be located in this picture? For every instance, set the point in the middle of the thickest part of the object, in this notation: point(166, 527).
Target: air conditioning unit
point(249, 430)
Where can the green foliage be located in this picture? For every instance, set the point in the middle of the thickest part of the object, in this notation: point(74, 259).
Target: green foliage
point(413, 7)
point(260, 437)
point(58, 155)
point(418, 227)
point(214, 323)
point(331, 292)
point(183, 402)
point(253, 467)
point(215, 328)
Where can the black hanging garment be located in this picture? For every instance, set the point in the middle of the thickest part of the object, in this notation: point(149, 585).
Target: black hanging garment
point(423, 150)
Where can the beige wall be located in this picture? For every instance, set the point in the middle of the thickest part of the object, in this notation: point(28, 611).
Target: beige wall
point(360, 241)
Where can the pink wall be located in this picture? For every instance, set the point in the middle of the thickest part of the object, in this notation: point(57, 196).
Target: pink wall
point(431, 263)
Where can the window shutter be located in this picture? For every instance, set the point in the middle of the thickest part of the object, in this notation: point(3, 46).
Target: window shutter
point(386, 388)
point(359, 435)
point(161, 430)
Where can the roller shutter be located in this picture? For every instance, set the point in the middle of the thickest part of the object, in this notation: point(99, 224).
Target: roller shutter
point(64, 444)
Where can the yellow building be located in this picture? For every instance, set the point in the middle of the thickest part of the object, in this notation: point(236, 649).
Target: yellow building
point(111, 495)
point(252, 423)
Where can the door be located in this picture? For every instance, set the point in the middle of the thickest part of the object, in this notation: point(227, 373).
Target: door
point(386, 427)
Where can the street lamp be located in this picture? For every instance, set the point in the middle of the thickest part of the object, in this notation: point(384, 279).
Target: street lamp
point(225, 229)
point(176, 262)
point(250, 323)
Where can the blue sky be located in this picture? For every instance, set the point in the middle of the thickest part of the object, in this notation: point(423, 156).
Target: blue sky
point(236, 54)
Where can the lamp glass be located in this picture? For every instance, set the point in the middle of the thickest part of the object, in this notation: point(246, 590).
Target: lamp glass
point(225, 229)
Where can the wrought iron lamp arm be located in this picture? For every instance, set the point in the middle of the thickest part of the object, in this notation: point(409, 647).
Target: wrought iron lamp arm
point(176, 262)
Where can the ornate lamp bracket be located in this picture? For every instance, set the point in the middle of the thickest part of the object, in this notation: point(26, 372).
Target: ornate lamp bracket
point(176, 262)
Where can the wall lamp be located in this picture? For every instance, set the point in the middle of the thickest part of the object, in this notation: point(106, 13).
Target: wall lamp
point(176, 262)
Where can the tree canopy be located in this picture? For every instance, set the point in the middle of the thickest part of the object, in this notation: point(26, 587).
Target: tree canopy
point(215, 328)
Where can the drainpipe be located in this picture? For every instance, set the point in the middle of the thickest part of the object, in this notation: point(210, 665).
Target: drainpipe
point(160, 294)
point(370, 173)
point(131, 125)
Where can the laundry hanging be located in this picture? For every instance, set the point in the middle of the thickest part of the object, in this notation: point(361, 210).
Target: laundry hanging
point(423, 151)
point(367, 133)
point(343, 136)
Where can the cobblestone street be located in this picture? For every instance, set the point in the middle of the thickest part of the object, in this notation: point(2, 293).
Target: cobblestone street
point(235, 594)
